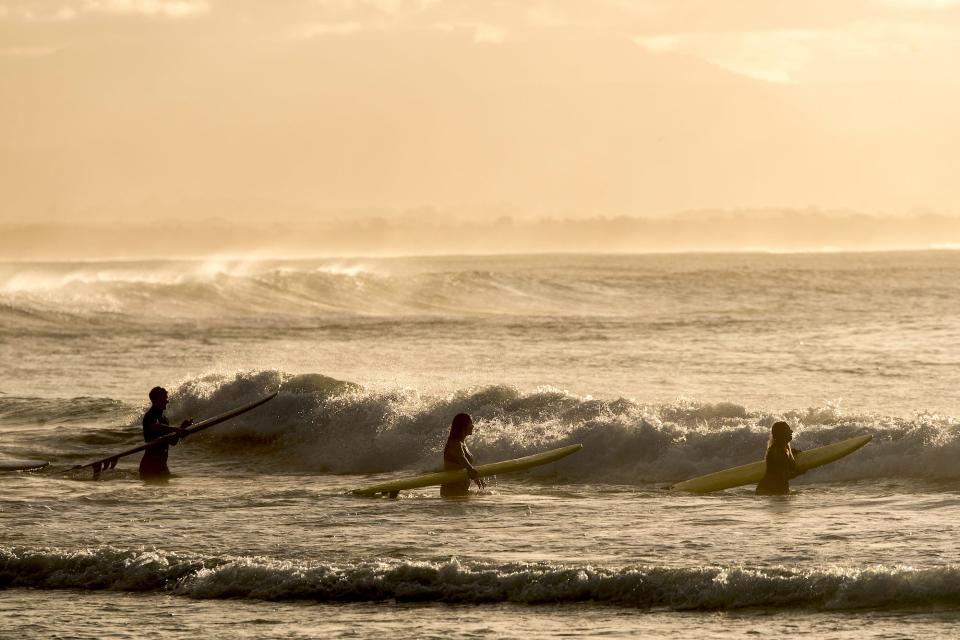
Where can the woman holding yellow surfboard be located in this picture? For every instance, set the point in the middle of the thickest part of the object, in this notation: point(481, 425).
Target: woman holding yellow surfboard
point(456, 456)
point(781, 464)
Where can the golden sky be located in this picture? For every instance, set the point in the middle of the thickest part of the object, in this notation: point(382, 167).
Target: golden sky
point(146, 109)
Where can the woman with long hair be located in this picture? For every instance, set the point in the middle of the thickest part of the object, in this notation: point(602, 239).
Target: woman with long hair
point(781, 464)
point(456, 455)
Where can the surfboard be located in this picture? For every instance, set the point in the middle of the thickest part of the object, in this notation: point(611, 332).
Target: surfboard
point(443, 477)
point(111, 461)
point(751, 473)
point(9, 464)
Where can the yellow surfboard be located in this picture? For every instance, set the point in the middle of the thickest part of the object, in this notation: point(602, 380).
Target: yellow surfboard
point(751, 473)
point(443, 477)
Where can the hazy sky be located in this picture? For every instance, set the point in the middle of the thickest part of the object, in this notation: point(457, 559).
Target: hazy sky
point(152, 108)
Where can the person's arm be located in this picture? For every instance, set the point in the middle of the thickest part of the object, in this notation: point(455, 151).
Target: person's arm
point(792, 467)
point(466, 459)
point(161, 429)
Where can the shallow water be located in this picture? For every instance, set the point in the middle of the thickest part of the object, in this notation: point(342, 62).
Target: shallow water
point(664, 367)
point(79, 614)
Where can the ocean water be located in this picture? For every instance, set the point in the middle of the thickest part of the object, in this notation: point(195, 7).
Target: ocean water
point(663, 366)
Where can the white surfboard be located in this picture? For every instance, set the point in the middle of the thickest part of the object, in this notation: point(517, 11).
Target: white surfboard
point(444, 477)
point(751, 473)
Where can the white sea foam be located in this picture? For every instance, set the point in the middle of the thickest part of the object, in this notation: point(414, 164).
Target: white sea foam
point(352, 430)
point(455, 581)
point(319, 424)
point(671, 289)
point(675, 365)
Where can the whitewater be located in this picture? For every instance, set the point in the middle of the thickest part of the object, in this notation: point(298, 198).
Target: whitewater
point(663, 366)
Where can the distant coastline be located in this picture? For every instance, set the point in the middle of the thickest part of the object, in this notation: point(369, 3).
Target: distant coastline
point(774, 231)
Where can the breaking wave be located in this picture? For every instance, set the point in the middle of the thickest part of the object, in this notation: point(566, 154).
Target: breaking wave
point(319, 424)
point(457, 581)
point(674, 289)
point(296, 289)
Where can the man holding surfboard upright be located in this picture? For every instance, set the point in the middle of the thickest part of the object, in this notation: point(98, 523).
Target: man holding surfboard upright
point(159, 435)
point(153, 465)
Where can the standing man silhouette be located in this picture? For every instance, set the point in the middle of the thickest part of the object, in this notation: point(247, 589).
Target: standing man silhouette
point(153, 465)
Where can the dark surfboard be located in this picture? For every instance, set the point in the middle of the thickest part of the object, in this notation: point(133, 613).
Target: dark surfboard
point(111, 461)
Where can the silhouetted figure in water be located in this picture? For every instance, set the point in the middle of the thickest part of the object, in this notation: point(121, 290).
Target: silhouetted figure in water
point(153, 466)
point(781, 465)
point(457, 456)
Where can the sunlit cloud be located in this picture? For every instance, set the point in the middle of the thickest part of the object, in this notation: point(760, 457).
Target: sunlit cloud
point(788, 56)
point(354, 5)
point(772, 57)
point(482, 33)
point(488, 22)
point(327, 28)
point(488, 34)
point(374, 8)
point(28, 52)
point(346, 17)
point(162, 8)
point(920, 5)
point(389, 6)
point(66, 10)
point(546, 17)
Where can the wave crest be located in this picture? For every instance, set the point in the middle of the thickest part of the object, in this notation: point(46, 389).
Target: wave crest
point(457, 581)
point(318, 424)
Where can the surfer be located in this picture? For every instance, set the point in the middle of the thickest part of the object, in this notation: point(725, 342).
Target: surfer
point(781, 465)
point(153, 466)
point(456, 455)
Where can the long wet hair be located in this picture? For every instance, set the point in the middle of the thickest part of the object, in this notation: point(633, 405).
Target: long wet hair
point(779, 433)
point(458, 428)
